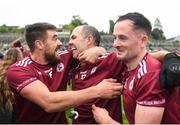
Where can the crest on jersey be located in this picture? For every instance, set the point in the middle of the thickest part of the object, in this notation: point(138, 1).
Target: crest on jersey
point(93, 70)
point(60, 67)
point(131, 85)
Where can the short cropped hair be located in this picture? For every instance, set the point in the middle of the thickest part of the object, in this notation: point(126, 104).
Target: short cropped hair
point(37, 31)
point(140, 21)
point(90, 30)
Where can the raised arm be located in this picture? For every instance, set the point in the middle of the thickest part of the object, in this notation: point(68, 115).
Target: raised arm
point(159, 55)
point(90, 55)
point(39, 94)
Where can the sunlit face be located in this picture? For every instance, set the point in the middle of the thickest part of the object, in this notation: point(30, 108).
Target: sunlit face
point(77, 43)
point(127, 40)
point(52, 46)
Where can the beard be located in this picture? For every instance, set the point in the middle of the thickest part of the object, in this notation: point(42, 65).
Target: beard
point(51, 58)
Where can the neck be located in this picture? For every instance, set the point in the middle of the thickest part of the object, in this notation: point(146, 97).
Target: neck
point(134, 62)
point(39, 58)
point(83, 63)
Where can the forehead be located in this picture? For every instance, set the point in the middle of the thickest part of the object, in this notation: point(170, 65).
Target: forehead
point(51, 33)
point(123, 26)
point(77, 31)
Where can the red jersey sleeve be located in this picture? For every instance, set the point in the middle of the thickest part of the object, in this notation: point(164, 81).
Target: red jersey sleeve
point(18, 77)
point(150, 92)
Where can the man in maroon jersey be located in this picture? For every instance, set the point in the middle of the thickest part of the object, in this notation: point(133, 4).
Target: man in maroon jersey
point(39, 81)
point(145, 101)
point(86, 75)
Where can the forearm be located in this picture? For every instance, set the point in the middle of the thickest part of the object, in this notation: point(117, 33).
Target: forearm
point(112, 121)
point(101, 50)
point(159, 55)
point(39, 94)
point(65, 99)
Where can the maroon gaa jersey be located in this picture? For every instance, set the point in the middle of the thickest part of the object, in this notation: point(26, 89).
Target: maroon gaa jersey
point(54, 77)
point(86, 76)
point(142, 86)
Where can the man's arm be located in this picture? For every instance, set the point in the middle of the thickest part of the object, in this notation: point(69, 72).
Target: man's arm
point(148, 115)
point(90, 55)
point(159, 55)
point(39, 94)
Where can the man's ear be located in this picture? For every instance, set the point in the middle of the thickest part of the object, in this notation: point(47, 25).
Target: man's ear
point(39, 44)
point(90, 40)
point(144, 40)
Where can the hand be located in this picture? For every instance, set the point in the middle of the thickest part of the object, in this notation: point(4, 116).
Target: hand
point(90, 55)
point(101, 115)
point(109, 88)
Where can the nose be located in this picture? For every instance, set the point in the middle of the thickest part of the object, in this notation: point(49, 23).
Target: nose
point(70, 42)
point(115, 43)
point(59, 42)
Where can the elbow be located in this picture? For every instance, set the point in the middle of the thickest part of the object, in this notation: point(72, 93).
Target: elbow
point(51, 107)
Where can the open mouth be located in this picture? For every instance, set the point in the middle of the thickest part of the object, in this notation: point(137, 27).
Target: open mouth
point(72, 48)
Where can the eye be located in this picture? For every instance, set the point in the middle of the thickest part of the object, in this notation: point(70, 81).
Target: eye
point(55, 38)
point(114, 37)
point(73, 37)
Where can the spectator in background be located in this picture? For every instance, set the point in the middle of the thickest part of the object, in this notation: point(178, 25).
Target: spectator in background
point(7, 109)
point(145, 100)
point(17, 44)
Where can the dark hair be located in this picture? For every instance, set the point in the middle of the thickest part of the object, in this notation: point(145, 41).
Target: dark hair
point(37, 31)
point(140, 21)
point(90, 30)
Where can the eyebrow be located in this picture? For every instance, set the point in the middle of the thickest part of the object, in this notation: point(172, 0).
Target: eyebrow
point(54, 36)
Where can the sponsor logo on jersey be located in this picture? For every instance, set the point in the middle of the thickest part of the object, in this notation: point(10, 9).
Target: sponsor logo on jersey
point(83, 75)
point(49, 72)
point(152, 102)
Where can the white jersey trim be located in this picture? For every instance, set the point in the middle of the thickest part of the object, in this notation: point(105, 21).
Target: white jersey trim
point(143, 69)
point(153, 102)
point(24, 62)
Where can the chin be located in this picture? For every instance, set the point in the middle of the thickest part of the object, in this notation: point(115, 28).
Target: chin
point(120, 57)
point(74, 56)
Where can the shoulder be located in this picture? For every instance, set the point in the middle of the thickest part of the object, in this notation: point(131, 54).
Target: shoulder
point(110, 58)
point(19, 68)
point(152, 63)
point(149, 64)
point(108, 55)
point(66, 55)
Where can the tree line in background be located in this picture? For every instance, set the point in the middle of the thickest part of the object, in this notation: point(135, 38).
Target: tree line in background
point(157, 32)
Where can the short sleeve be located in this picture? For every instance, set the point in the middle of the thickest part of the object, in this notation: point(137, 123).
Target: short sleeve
point(150, 92)
point(18, 77)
